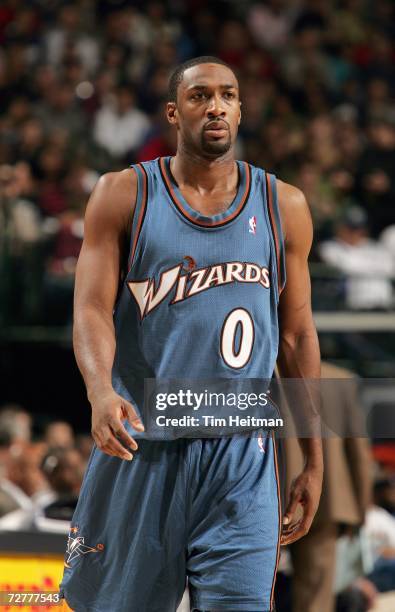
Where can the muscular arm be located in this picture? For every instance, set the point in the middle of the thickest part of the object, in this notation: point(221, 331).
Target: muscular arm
point(107, 225)
point(299, 354)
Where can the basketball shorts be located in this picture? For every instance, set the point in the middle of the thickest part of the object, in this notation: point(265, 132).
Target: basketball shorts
point(203, 510)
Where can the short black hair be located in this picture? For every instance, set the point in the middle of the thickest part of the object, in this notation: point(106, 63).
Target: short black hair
point(177, 76)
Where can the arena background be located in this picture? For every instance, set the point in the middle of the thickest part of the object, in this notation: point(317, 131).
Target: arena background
point(82, 91)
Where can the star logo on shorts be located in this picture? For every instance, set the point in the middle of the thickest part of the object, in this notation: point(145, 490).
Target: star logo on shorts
point(76, 546)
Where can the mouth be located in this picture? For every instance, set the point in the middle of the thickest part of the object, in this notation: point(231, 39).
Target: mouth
point(216, 129)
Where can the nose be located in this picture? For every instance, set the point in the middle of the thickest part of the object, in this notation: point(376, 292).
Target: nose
point(215, 108)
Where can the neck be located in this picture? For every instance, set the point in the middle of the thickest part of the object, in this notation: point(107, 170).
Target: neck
point(204, 174)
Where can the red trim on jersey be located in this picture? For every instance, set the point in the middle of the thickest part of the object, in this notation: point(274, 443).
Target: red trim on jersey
point(141, 214)
point(274, 229)
point(279, 521)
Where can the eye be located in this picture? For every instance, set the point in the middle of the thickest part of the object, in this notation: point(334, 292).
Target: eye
point(198, 95)
point(229, 95)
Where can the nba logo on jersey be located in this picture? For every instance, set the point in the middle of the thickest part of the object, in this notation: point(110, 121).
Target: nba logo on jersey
point(252, 224)
point(260, 443)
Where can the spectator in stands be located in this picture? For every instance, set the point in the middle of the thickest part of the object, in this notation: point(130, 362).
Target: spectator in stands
point(15, 436)
point(59, 434)
point(270, 24)
point(61, 110)
point(51, 171)
point(18, 214)
point(161, 144)
point(387, 239)
point(70, 26)
point(30, 141)
point(24, 469)
point(64, 468)
point(319, 193)
point(20, 240)
point(380, 532)
point(15, 424)
point(345, 496)
point(384, 493)
point(26, 484)
point(375, 172)
point(349, 143)
point(121, 127)
point(366, 264)
point(84, 443)
point(11, 497)
point(82, 79)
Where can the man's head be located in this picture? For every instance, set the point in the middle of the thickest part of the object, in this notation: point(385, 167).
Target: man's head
point(352, 226)
point(59, 434)
point(125, 99)
point(64, 469)
point(24, 470)
point(204, 106)
point(16, 423)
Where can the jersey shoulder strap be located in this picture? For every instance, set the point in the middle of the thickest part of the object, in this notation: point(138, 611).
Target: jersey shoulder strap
point(139, 209)
point(275, 223)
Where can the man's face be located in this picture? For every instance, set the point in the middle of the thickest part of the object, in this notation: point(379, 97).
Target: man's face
point(207, 112)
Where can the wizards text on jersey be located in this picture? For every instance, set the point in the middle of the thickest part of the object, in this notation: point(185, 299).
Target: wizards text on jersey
point(185, 286)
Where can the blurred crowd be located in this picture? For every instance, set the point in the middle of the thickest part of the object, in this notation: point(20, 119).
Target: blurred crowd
point(43, 461)
point(83, 85)
point(82, 91)
point(41, 470)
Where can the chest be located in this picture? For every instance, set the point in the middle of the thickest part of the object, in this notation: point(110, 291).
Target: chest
point(209, 204)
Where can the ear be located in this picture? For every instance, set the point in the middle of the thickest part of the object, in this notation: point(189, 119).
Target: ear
point(238, 123)
point(171, 112)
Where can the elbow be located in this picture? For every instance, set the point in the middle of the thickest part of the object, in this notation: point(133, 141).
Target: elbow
point(291, 339)
point(299, 354)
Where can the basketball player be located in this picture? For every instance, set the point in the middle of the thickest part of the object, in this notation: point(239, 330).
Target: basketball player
point(201, 243)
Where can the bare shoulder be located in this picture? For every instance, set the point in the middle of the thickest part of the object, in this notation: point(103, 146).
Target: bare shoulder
point(113, 199)
point(118, 181)
point(294, 211)
point(121, 187)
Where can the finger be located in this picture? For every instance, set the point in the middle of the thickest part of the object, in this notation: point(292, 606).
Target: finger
point(118, 449)
point(304, 523)
point(111, 444)
point(119, 430)
point(97, 436)
point(300, 529)
point(291, 508)
point(308, 514)
point(103, 437)
point(290, 536)
point(100, 437)
point(287, 529)
point(101, 445)
point(132, 416)
point(108, 451)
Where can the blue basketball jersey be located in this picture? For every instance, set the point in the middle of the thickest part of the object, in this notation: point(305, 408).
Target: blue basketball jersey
point(200, 296)
point(199, 300)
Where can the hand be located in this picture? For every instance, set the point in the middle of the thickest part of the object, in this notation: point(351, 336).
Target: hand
point(306, 491)
point(108, 411)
